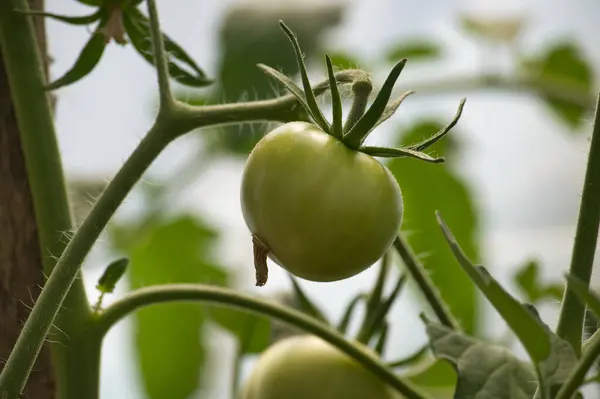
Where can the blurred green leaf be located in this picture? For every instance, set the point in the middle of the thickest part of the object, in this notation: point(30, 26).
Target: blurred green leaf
point(170, 351)
point(181, 66)
point(253, 332)
point(563, 65)
point(414, 50)
point(250, 35)
point(344, 60)
point(527, 279)
point(88, 58)
point(495, 29)
point(425, 189)
point(484, 370)
point(306, 304)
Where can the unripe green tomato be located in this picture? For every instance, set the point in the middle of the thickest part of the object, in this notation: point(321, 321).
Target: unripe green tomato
point(325, 211)
point(306, 367)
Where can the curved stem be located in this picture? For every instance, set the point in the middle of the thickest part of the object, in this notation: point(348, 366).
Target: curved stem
point(226, 297)
point(417, 271)
point(570, 323)
point(167, 127)
point(18, 366)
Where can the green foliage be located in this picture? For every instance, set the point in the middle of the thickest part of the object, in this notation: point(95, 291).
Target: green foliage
point(111, 276)
point(138, 29)
point(528, 278)
point(344, 60)
point(484, 370)
point(430, 187)
point(525, 325)
point(168, 340)
point(563, 68)
point(115, 18)
point(252, 331)
point(250, 35)
point(414, 50)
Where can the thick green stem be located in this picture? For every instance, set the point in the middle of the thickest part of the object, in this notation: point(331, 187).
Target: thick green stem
point(428, 289)
point(226, 297)
point(17, 368)
point(570, 323)
point(33, 111)
point(361, 89)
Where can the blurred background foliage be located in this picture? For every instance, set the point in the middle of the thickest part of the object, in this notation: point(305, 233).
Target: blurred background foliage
point(167, 247)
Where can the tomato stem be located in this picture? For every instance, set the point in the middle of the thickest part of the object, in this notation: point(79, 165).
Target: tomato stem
point(429, 290)
point(227, 297)
point(570, 323)
point(361, 89)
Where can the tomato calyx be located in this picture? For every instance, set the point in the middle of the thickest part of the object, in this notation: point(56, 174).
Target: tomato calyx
point(362, 120)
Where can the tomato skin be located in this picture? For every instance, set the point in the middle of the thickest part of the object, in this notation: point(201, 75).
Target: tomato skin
point(305, 366)
point(325, 212)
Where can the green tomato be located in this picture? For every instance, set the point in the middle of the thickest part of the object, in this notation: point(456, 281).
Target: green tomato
point(325, 211)
point(305, 366)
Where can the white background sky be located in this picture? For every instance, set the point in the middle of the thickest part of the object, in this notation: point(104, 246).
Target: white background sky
point(526, 170)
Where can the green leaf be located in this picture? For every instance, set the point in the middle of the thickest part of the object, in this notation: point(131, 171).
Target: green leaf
point(426, 188)
point(484, 371)
point(414, 49)
point(168, 337)
point(428, 142)
point(138, 29)
point(392, 107)
point(495, 29)
point(527, 279)
point(241, 49)
point(111, 276)
point(529, 329)
point(563, 66)
point(88, 59)
point(78, 20)
point(252, 332)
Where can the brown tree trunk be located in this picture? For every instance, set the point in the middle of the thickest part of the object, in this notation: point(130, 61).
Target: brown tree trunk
point(21, 273)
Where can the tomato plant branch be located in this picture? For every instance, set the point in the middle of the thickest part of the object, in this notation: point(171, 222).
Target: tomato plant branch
point(167, 100)
point(226, 297)
point(175, 122)
point(570, 323)
point(419, 274)
point(33, 112)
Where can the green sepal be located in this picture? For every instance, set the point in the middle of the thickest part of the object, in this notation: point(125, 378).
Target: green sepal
point(336, 102)
point(315, 111)
point(385, 152)
point(357, 134)
point(439, 135)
